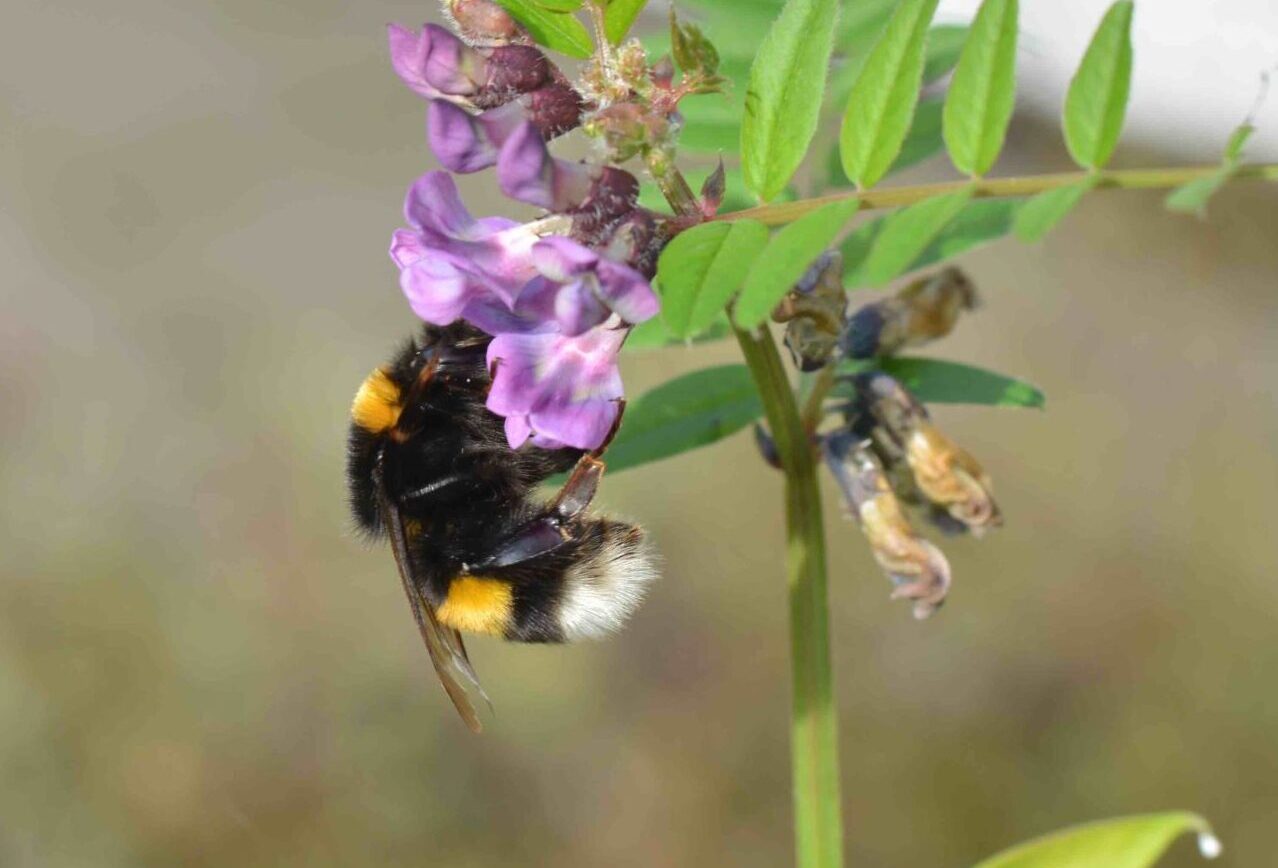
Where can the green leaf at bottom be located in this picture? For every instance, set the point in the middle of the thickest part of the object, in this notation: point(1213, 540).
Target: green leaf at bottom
point(1126, 842)
point(687, 412)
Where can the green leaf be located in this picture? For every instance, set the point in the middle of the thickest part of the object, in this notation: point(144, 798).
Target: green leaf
point(1192, 198)
point(1039, 215)
point(861, 24)
point(702, 268)
point(922, 143)
point(978, 105)
point(907, 233)
point(1126, 842)
point(1237, 139)
point(653, 334)
point(787, 257)
point(619, 16)
point(944, 46)
point(934, 381)
point(560, 31)
point(882, 99)
point(787, 81)
point(1097, 98)
point(980, 222)
point(924, 138)
point(687, 412)
point(559, 5)
point(941, 52)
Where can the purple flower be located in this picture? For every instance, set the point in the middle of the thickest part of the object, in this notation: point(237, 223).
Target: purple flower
point(579, 289)
point(463, 142)
point(503, 276)
point(435, 63)
point(454, 266)
point(528, 173)
point(556, 390)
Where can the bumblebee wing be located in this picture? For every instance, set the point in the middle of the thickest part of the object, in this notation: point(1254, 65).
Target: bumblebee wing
point(444, 644)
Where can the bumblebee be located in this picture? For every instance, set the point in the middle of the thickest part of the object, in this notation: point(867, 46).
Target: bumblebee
point(477, 549)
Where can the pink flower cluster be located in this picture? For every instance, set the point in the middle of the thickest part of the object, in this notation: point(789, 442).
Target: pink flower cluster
point(557, 294)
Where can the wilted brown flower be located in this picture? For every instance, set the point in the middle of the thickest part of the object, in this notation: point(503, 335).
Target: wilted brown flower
point(813, 312)
point(923, 311)
point(945, 473)
point(917, 568)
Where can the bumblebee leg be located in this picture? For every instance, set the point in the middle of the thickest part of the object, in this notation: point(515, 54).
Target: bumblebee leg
point(580, 488)
point(548, 532)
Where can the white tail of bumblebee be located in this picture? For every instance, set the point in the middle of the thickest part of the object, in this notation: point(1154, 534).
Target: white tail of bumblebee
point(603, 589)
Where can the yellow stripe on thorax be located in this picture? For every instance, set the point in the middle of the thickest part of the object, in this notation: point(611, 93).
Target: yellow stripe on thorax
point(377, 403)
point(478, 605)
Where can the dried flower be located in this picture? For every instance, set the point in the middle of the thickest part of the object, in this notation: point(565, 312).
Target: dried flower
point(923, 311)
point(946, 474)
point(916, 567)
point(813, 313)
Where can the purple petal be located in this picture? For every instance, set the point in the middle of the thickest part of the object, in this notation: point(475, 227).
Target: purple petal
point(626, 291)
point(518, 430)
point(584, 425)
point(435, 63)
point(528, 173)
point(465, 143)
point(406, 248)
point(573, 307)
point(437, 289)
point(434, 205)
point(457, 139)
point(451, 66)
point(568, 387)
point(562, 259)
point(408, 52)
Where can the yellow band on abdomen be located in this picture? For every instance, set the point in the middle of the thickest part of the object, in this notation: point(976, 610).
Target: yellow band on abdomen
point(478, 605)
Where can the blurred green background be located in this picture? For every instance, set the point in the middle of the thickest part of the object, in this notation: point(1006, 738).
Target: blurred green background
point(201, 665)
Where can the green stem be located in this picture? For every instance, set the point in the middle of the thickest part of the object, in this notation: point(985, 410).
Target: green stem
point(814, 743)
point(893, 197)
point(672, 183)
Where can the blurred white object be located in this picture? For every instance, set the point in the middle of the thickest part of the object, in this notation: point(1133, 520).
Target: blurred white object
point(1196, 72)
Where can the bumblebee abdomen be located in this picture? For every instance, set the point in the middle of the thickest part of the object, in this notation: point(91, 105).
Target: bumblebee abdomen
point(583, 590)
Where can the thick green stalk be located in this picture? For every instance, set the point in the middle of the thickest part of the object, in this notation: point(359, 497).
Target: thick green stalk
point(894, 197)
point(814, 742)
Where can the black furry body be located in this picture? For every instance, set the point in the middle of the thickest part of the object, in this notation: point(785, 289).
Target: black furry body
point(467, 502)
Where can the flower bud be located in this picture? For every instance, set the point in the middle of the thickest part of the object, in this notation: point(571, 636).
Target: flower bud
point(513, 70)
point(923, 311)
point(483, 22)
point(554, 109)
point(916, 567)
point(628, 130)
